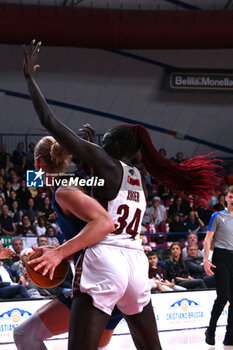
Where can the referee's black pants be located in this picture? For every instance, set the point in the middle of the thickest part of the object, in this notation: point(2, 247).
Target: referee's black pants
point(223, 260)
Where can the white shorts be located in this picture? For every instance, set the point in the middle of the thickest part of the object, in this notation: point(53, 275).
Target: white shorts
point(116, 276)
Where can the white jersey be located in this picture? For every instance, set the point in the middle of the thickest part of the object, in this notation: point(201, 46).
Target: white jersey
point(127, 210)
point(115, 270)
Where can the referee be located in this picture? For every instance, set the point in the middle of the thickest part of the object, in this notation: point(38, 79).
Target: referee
point(220, 230)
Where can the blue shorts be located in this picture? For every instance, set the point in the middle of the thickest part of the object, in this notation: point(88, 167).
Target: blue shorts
point(115, 317)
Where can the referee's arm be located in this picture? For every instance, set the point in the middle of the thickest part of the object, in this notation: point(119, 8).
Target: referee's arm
point(207, 245)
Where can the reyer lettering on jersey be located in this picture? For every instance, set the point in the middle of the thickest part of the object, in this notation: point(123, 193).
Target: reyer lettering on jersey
point(133, 196)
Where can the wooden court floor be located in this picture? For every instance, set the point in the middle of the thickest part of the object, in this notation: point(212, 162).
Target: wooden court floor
point(173, 340)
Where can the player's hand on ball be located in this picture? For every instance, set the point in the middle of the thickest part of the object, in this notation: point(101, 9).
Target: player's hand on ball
point(49, 259)
point(30, 57)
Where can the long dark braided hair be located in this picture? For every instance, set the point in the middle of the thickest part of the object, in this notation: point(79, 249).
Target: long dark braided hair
point(196, 176)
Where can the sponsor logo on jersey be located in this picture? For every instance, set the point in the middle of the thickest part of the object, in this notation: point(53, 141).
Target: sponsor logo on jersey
point(133, 182)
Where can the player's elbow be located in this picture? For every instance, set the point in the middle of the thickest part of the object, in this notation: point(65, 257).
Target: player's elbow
point(108, 225)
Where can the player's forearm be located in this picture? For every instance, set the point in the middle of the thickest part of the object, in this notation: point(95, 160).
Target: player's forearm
point(71, 142)
point(92, 233)
point(46, 116)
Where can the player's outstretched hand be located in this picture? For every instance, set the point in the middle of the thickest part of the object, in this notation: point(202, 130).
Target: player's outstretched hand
point(89, 133)
point(30, 57)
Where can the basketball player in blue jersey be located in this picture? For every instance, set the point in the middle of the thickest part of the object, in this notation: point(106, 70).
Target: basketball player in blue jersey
point(53, 318)
point(115, 271)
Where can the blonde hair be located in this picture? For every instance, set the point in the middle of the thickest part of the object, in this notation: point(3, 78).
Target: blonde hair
point(52, 153)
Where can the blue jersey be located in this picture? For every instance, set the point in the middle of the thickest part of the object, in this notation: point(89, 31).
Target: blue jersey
point(69, 227)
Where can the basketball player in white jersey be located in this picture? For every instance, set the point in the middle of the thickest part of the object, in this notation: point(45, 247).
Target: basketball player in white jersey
point(115, 271)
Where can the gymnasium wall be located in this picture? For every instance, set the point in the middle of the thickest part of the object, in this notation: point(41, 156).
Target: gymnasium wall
point(106, 88)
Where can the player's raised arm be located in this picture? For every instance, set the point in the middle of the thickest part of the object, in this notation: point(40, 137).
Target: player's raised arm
point(75, 145)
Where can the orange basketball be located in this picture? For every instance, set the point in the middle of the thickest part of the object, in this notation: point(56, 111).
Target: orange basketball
point(43, 281)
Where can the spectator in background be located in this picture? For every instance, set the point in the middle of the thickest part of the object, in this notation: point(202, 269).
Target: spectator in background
point(41, 225)
point(10, 289)
point(15, 181)
point(179, 158)
point(22, 167)
point(181, 206)
point(213, 200)
point(42, 240)
point(18, 154)
point(155, 214)
point(9, 164)
point(221, 203)
point(17, 245)
point(192, 238)
point(31, 210)
point(15, 213)
point(159, 275)
point(51, 233)
point(13, 197)
point(2, 195)
point(193, 223)
point(163, 152)
point(3, 174)
point(1, 204)
point(23, 195)
point(25, 229)
point(7, 192)
point(205, 215)
point(7, 225)
point(46, 207)
point(30, 155)
point(195, 266)
point(147, 249)
point(176, 225)
point(156, 273)
point(3, 155)
point(52, 221)
point(42, 192)
point(177, 271)
point(2, 185)
point(165, 194)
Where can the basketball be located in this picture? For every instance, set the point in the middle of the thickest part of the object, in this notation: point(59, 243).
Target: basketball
point(43, 281)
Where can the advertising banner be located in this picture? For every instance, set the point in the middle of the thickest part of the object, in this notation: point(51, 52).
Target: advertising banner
point(181, 310)
point(173, 311)
point(198, 80)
